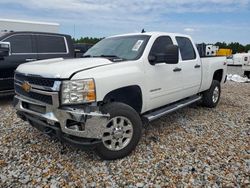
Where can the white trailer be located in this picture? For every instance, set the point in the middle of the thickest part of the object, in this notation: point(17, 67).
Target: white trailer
point(244, 60)
point(22, 25)
point(211, 50)
point(241, 58)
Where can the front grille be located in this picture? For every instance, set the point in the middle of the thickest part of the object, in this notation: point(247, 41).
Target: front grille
point(37, 96)
point(48, 82)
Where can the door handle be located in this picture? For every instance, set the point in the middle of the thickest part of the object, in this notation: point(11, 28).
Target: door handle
point(177, 69)
point(30, 60)
point(197, 66)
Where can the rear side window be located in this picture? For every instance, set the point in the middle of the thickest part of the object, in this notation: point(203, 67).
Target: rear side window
point(186, 48)
point(51, 44)
point(160, 45)
point(20, 43)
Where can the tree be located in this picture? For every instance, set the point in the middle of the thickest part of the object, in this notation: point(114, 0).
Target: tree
point(235, 46)
point(221, 44)
point(247, 47)
point(88, 40)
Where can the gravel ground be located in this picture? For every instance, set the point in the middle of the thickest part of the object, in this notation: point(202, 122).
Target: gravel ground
point(193, 147)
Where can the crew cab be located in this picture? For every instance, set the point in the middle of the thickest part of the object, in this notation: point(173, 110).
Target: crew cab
point(21, 47)
point(101, 100)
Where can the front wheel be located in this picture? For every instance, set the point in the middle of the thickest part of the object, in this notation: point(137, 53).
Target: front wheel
point(122, 132)
point(211, 97)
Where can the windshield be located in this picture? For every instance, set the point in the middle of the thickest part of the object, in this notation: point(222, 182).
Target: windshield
point(122, 48)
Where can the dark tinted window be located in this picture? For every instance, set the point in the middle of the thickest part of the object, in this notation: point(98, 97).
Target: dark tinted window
point(50, 44)
point(160, 45)
point(186, 48)
point(20, 43)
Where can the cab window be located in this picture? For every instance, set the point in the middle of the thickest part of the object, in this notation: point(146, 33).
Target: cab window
point(186, 48)
point(20, 44)
point(160, 45)
point(51, 44)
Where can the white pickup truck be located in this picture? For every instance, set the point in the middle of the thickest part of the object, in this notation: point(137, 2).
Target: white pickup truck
point(101, 99)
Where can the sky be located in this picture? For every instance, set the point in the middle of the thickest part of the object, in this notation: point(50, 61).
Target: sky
point(205, 20)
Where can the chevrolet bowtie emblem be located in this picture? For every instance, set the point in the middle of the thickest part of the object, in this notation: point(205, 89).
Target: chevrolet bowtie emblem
point(26, 86)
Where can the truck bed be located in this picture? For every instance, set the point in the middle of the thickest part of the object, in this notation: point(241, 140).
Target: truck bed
point(211, 64)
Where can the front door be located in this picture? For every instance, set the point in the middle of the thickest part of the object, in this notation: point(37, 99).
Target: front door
point(164, 81)
point(22, 50)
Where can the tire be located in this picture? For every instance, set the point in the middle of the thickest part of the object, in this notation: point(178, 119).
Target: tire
point(211, 97)
point(122, 134)
point(247, 74)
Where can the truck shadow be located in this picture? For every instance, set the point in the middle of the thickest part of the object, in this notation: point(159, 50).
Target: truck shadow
point(168, 124)
point(6, 100)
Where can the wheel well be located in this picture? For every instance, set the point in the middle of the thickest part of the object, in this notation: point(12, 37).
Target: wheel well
point(130, 95)
point(218, 75)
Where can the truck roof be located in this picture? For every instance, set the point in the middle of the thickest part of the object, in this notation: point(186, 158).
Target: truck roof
point(29, 22)
point(156, 33)
point(5, 34)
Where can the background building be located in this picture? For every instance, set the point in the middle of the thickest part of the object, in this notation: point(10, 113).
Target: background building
point(21, 25)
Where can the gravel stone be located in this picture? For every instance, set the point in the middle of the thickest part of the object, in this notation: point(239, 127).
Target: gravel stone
point(192, 147)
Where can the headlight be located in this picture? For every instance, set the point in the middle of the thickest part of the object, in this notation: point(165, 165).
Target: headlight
point(78, 91)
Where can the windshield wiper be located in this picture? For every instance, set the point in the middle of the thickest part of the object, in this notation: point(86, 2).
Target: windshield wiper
point(85, 56)
point(114, 57)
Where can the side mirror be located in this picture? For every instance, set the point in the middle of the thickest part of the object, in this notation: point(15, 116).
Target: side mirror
point(172, 54)
point(4, 49)
point(170, 57)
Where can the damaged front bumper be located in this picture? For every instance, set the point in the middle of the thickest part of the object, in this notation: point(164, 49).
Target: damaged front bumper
point(73, 125)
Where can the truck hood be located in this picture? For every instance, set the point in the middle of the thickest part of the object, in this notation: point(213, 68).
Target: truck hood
point(61, 68)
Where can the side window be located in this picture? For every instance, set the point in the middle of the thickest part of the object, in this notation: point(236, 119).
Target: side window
point(186, 48)
point(160, 44)
point(20, 43)
point(50, 44)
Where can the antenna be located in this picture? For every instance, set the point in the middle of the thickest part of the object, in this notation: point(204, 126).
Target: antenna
point(74, 31)
point(143, 31)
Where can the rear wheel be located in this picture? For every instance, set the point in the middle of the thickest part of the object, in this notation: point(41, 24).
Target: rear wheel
point(247, 74)
point(122, 132)
point(211, 97)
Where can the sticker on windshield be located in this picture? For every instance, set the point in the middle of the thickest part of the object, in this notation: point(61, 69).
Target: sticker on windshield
point(137, 45)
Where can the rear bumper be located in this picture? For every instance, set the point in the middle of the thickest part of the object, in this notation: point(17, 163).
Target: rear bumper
point(68, 124)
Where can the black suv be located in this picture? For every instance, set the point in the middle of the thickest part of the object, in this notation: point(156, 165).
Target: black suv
point(21, 47)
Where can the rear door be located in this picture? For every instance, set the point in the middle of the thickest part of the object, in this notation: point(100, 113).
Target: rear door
point(22, 50)
point(51, 46)
point(190, 65)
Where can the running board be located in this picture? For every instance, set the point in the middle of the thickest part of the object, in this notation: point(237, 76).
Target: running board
point(172, 107)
